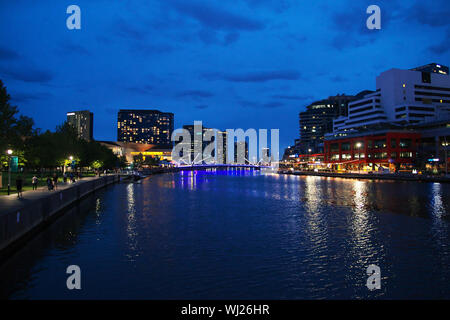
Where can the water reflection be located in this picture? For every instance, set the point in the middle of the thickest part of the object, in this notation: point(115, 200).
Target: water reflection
point(132, 230)
point(241, 234)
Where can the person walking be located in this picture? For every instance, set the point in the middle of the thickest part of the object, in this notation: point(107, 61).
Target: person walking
point(55, 181)
point(34, 182)
point(19, 185)
point(49, 184)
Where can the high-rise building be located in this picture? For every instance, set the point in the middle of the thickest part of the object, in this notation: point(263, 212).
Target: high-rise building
point(145, 126)
point(432, 68)
point(194, 148)
point(83, 122)
point(221, 154)
point(241, 152)
point(318, 118)
point(402, 98)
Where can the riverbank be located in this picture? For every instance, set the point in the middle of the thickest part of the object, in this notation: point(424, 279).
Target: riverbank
point(372, 176)
point(21, 218)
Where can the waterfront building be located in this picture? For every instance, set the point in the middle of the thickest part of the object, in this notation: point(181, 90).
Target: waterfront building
point(434, 148)
point(402, 98)
point(318, 118)
point(145, 126)
point(131, 149)
point(83, 122)
point(379, 150)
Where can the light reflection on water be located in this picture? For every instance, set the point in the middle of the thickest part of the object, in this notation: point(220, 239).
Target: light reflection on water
point(240, 234)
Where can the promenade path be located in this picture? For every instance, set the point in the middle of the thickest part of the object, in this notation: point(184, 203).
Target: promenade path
point(13, 203)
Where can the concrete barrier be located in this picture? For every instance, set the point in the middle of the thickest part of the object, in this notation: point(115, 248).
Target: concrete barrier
point(18, 224)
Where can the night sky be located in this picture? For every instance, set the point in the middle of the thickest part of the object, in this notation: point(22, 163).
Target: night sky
point(232, 64)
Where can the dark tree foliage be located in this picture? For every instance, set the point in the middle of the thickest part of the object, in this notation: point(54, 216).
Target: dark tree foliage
point(38, 150)
point(14, 129)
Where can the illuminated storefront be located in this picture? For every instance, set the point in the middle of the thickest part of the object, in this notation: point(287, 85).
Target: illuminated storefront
point(394, 151)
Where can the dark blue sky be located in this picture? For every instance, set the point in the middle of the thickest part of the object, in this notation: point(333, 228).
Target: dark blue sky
point(231, 64)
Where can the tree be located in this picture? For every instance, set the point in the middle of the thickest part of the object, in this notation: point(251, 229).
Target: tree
point(38, 150)
point(13, 131)
point(138, 160)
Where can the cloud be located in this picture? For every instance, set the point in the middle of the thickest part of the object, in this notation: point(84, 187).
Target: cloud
point(214, 17)
point(26, 97)
point(261, 76)
point(292, 97)
point(350, 27)
point(7, 54)
point(70, 48)
point(141, 89)
point(211, 36)
point(26, 73)
point(153, 48)
point(195, 94)
point(435, 15)
point(231, 37)
point(276, 5)
point(338, 79)
point(443, 46)
point(126, 30)
point(208, 36)
point(253, 104)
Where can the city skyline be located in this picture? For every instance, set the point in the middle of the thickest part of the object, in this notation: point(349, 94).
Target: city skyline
point(249, 65)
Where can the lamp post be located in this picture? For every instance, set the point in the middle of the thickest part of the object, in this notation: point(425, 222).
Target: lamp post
point(358, 147)
point(64, 166)
point(9, 152)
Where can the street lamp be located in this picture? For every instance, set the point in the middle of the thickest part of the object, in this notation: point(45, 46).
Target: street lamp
point(9, 152)
point(358, 147)
point(64, 166)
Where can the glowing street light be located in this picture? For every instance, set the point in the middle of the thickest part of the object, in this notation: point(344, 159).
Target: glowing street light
point(64, 166)
point(9, 152)
point(358, 146)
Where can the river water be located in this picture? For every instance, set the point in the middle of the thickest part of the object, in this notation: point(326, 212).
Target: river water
point(241, 234)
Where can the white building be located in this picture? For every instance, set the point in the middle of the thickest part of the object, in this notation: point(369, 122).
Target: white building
point(402, 97)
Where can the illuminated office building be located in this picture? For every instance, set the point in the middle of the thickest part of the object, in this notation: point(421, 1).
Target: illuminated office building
point(145, 126)
point(83, 122)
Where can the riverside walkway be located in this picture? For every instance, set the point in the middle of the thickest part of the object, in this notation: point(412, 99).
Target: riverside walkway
point(13, 203)
point(19, 217)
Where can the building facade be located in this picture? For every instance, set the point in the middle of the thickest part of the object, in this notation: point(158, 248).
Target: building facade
point(402, 98)
point(145, 126)
point(317, 120)
point(129, 150)
point(83, 122)
point(382, 150)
